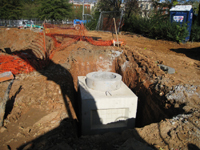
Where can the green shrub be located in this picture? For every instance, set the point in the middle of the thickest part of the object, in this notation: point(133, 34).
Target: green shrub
point(157, 27)
point(92, 24)
point(177, 32)
point(195, 32)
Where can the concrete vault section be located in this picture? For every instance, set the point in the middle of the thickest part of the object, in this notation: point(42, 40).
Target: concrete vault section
point(113, 109)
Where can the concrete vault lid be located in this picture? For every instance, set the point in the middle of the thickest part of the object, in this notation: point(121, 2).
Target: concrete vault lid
point(103, 81)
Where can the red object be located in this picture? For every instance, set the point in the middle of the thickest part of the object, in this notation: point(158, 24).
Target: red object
point(27, 61)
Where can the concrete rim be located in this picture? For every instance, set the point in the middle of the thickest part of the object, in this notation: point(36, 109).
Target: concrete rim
point(103, 81)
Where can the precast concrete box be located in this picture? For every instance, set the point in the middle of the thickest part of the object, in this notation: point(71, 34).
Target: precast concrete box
point(103, 111)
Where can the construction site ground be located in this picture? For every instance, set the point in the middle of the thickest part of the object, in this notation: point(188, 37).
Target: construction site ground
point(41, 111)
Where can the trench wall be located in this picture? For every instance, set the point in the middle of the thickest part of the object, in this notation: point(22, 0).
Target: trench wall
point(137, 73)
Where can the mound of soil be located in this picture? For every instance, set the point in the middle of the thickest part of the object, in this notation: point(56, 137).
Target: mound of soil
point(41, 111)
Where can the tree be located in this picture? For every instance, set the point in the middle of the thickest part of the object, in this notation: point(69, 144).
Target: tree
point(54, 9)
point(132, 7)
point(195, 6)
point(30, 8)
point(10, 9)
point(109, 5)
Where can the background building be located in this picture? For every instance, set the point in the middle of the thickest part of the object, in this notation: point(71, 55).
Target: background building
point(146, 6)
point(89, 6)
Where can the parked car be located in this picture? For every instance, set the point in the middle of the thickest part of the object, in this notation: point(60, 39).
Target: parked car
point(22, 24)
point(67, 22)
point(29, 23)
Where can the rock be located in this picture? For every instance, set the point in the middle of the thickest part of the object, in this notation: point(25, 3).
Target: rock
point(183, 136)
point(28, 146)
point(47, 118)
point(54, 121)
point(3, 129)
point(167, 69)
point(64, 115)
point(20, 135)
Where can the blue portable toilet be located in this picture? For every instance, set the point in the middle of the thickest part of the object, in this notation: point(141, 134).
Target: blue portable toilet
point(182, 14)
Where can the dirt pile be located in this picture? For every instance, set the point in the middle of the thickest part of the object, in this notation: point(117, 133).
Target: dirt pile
point(41, 110)
point(16, 39)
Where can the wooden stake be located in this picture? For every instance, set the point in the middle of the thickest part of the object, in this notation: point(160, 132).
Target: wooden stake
point(116, 31)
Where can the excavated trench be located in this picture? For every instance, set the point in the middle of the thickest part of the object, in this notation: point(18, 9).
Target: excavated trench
point(48, 87)
point(140, 75)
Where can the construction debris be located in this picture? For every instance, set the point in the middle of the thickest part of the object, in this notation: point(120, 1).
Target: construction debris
point(167, 69)
point(6, 76)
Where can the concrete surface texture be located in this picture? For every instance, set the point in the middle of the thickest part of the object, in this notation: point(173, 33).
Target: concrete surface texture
point(167, 69)
point(106, 111)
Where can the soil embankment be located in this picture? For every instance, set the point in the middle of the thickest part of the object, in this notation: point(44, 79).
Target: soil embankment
point(41, 110)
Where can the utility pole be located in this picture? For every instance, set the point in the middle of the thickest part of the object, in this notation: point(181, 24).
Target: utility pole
point(83, 10)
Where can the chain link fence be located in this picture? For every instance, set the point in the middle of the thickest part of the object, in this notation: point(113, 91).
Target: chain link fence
point(36, 21)
point(105, 22)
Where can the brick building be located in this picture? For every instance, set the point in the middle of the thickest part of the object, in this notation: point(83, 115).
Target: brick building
point(146, 6)
point(88, 6)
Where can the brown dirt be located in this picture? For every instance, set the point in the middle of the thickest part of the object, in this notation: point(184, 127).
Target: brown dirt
point(40, 113)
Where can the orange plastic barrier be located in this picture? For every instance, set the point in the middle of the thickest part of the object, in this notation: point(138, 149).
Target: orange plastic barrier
point(27, 61)
point(21, 62)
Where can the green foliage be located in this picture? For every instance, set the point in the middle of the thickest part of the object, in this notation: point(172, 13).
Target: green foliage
point(195, 32)
point(195, 6)
point(30, 8)
point(175, 3)
point(177, 33)
point(10, 9)
point(133, 7)
point(54, 9)
point(157, 27)
point(93, 23)
point(109, 5)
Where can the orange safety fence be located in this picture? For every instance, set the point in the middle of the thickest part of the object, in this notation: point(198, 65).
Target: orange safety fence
point(21, 62)
point(48, 25)
point(38, 58)
point(61, 47)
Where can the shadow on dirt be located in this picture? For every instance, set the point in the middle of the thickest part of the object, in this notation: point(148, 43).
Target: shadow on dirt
point(152, 108)
point(6, 50)
point(193, 53)
point(192, 147)
point(66, 135)
point(10, 103)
